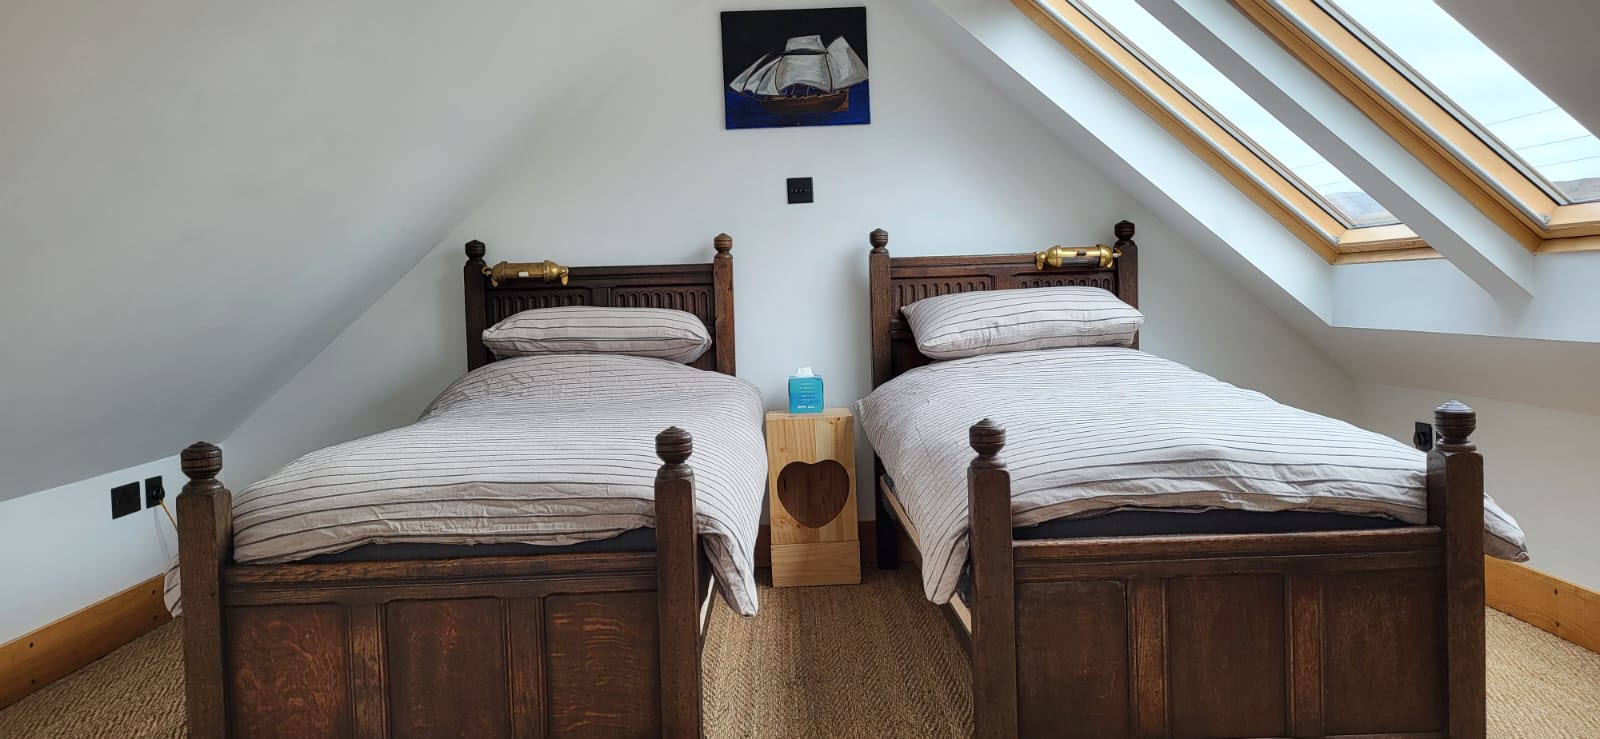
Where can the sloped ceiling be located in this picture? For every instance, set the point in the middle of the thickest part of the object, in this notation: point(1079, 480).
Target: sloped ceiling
point(197, 196)
point(1415, 324)
point(1548, 41)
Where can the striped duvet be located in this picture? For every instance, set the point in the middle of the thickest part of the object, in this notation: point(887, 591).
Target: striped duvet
point(1098, 429)
point(552, 449)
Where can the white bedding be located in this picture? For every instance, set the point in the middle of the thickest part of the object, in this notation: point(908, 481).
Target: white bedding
point(1097, 429)
point(552, 449)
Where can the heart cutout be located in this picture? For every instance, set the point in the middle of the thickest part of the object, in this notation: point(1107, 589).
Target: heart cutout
point(813, 494)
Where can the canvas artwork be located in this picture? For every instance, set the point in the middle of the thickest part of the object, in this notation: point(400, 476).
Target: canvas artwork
point(795, 68)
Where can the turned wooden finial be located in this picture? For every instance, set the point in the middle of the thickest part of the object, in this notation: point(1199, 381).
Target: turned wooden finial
point(202, 461)
point(1123, 230)
point(1456, 421)
point(987, 439)
point(476, 249)
point(674, 446)
point(879, 239)
point(723, 244)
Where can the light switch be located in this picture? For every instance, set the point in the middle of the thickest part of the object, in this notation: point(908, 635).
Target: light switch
point(799, 190)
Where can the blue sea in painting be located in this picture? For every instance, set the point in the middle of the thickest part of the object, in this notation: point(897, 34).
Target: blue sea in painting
point(744, 112)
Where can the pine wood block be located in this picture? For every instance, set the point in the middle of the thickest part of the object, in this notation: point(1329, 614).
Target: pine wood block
point(823, 563)
point(811, 486)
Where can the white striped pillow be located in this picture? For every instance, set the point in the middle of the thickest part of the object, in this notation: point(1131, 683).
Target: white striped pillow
point(663, 333)
point(993, 321)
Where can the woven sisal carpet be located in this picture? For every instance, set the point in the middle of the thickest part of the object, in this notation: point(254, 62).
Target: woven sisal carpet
point(869, 661)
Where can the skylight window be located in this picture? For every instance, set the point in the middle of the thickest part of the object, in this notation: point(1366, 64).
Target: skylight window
point(1482, 91)
point(1231, 108)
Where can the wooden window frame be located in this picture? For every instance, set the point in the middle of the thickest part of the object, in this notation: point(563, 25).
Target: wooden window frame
point(1195, 128)
point(1411, 115)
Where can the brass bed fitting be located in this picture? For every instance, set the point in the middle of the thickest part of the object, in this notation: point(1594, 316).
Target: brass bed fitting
point(1099, 255)
point(547, 270)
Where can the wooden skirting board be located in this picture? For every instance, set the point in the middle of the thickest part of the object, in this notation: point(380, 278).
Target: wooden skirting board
point(1569, 611)
point(57, 650)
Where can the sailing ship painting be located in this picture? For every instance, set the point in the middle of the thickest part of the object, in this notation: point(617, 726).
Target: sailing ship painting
point(795, 68)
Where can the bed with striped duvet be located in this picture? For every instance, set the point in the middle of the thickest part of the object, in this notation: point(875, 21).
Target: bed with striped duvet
point(1099, 429)
point(550, 450)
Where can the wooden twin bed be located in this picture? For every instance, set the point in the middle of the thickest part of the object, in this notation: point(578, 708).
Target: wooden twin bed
point(557, 644)
point(1361, 632)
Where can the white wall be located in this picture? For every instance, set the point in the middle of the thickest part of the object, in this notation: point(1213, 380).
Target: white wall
point(63, 551)
point(1540, 464)
point(648, 174)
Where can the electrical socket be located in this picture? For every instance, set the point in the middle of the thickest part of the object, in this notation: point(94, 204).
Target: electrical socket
point(125, 500)
point(154, 493)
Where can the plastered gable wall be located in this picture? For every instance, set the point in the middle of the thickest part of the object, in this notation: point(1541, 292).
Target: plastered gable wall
point(65, 552)
point(648, 174)
point(1538, 463)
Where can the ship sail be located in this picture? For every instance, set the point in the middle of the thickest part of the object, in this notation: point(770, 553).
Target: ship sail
point(803, 45)
point(804, 69)
point(844, 66)
point(738, 83)
point(804, 62)
point(764, 81)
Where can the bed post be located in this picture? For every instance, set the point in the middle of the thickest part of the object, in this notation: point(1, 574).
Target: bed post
point(205, 544)
point(472, 280)
point(677, 586)
point(882, 305)
point(887, 535)
point(722, 301)
point(993, 606)
point(1127, 267)
point(1455, 504)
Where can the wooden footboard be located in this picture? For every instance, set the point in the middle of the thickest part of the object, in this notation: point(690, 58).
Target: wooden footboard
point(1309, 634)
point(541, 645)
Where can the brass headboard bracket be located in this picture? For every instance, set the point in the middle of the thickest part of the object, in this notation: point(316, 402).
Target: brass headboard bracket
point(547, 270)
point(1099, 255)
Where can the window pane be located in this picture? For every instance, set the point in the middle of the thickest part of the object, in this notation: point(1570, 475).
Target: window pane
point(1234, 109)
point(1480, 87)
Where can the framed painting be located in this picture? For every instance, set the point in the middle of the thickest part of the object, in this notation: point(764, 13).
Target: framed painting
point(784, 68)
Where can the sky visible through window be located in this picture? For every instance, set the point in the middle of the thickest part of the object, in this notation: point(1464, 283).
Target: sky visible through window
point(1486, 89)
point(1234, 109)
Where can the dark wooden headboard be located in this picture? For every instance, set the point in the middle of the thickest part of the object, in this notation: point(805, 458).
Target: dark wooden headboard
point(900, 281)
point(704, 289)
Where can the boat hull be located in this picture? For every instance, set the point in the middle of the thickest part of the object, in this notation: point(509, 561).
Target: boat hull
point(826, 102)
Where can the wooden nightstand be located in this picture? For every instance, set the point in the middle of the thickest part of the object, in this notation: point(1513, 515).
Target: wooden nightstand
point(811, 486)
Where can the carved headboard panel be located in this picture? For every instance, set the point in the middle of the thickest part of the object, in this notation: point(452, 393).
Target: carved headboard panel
point(900, 281)
point(705, 290)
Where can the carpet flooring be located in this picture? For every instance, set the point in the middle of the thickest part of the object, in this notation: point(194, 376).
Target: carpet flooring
point(873, 660)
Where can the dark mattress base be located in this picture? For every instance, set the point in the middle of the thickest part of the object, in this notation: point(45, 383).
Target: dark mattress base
point(1159, 522)
point(637, 540)
point(1220, 521)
